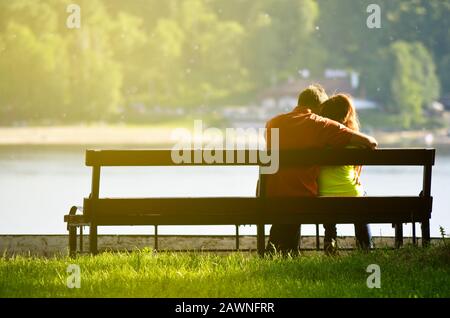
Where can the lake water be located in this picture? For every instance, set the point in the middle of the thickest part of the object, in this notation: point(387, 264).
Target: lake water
point(39, 184)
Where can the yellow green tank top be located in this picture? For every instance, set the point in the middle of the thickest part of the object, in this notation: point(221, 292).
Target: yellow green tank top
point(339, 181)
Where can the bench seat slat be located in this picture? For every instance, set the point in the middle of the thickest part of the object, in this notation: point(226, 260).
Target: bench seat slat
point(247, 218)
point(262, 218)
point(185, 208)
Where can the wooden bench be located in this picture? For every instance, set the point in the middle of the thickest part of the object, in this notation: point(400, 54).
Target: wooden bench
point(259, 210)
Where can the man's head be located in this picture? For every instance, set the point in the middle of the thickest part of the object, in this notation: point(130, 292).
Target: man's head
point(312, 97)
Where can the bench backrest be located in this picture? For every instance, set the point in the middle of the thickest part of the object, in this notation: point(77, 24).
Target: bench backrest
point(378, 157)
point(238, 210)
point(288, 158)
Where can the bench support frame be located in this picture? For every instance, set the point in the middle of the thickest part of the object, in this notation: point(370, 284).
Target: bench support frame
point(97, 159)
point(95, 191)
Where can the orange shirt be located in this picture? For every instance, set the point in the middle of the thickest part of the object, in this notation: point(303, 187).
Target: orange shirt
point(302, 129)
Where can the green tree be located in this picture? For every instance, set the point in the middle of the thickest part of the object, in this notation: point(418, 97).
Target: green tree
point(280, 40)
point(95, 75)
point(201, 52)
point(52, 72)
point(211, 65)
point(427, 22)
point(344, 33)
point(413, 82)
point(32, 69)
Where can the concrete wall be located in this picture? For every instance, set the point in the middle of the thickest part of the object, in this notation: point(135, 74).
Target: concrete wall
point(51, 245)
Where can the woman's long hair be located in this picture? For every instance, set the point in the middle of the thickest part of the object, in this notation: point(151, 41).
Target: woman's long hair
point(340, 108)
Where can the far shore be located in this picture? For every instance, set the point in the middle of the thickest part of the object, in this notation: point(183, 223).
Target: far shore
point(161, 135)
point(86, 135)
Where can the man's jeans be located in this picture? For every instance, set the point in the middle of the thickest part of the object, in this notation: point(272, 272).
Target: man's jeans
point(284, 239)
point(362, 234)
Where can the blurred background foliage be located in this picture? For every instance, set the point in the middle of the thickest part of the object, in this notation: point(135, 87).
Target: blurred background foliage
point(203, 54)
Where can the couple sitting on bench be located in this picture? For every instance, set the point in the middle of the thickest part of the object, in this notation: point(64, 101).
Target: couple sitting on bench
point(317, 122)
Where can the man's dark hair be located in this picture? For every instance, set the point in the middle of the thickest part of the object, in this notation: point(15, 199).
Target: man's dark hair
point(312, 97)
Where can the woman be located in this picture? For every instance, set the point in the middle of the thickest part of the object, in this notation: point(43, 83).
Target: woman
point(342, 181)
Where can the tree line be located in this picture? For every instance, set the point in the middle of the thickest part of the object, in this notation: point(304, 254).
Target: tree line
point(207, 53)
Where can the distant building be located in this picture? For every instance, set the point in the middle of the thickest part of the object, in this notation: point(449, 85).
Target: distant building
point(445, 100)
point(284, 96)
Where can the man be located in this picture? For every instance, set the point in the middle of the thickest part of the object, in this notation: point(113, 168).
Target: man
point(302, 128)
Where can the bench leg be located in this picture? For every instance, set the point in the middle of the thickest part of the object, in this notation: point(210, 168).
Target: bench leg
point(237, 237)
point(300, 237)
point(261, 239)
point(156, 238)
point(425, 233)
point(93, 239)
point(81, 239)
point(317, 238)
point(398, 235)
point(72, 241)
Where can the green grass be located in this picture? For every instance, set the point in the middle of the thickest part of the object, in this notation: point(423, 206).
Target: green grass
point(409, 272)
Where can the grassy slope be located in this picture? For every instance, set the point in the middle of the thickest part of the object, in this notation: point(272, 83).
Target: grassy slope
point(410, 272)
